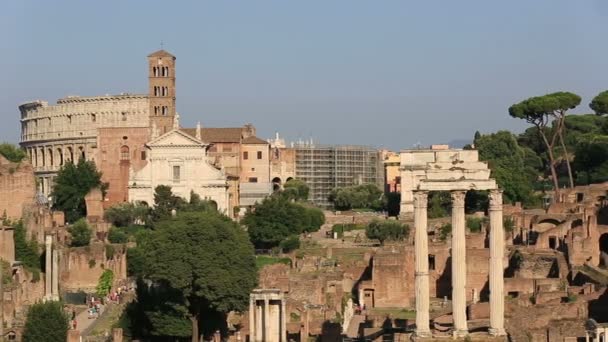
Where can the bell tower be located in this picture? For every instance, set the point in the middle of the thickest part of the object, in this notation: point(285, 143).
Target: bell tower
point(161, 79)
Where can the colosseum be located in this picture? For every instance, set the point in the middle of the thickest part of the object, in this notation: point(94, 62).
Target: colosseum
point(54, 134)
point(110, 130)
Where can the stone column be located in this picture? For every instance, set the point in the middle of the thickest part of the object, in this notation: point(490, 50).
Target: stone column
point(459, 265)
point(252, 320)
point(259, 322)
point(55, 276)
point(422, 264)
point(267, 320)
point(283, 316)
point(48, 241)
point(497, 239)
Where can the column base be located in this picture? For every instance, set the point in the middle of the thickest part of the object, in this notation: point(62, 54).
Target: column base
point(460, 333)
point(497, 332)
point(423, 334)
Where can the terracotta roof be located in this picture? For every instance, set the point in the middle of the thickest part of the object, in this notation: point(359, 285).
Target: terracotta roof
point(160, 53)
point(217, 135)
point(254, 140)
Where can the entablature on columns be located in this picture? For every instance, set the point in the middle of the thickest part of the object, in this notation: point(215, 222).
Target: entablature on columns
point(458, 185)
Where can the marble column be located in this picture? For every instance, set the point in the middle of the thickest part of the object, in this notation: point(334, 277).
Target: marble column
point(422, 264)
point(48, 241)
point(55, 276)
point(252, 320)
point(459, 265)
point(497, 240)
point(259, 322)
point(267, 320)
point(283, 316)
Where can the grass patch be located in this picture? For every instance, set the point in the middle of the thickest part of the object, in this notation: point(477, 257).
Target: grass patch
point(263, 260)
point(342, 228)
point(394, 313)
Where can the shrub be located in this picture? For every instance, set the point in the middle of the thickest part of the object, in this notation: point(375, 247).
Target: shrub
point(116, 235)
point(81, 233)
point(109, 252)
point(445, 231)
point(92, 263)
point(26, 251)
point(474, 224)
point(290, 244)
point(387, 231)
point(104, 285)
point(126, 214)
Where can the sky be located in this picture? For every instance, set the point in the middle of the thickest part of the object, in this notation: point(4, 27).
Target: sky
point(384, 73)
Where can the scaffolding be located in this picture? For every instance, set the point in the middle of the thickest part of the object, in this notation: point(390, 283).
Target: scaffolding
point(327, 167)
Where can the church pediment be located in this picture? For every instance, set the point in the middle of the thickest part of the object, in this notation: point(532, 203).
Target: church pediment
point(175, 138)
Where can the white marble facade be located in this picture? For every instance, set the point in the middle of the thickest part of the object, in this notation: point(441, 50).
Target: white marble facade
point(179, 160)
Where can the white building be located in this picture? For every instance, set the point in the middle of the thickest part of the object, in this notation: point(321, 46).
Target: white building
point(179, 160)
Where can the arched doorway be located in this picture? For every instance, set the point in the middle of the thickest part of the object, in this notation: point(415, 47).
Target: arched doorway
point(604, 250)
point(213, 204)
point(276, 184)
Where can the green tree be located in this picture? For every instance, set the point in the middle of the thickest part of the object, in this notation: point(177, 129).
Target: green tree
point(591, 160)
point(439, 204)
point(289, 244)
point(206, 260)
point(80, 232)
point(164, 202)
point(599, 104)
point(276, 218)
point(12, 153)
point(46, 322)
point(296, 189)
point(541, 111)
point(513, 167)
point(366, 196)
point(389, 230)
point(126, 214)
point(117, 235)
point(72, 184)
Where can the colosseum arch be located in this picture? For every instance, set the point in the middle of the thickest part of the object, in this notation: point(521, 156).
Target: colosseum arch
point(70, 155)
point(60, 156)
point(51, 161)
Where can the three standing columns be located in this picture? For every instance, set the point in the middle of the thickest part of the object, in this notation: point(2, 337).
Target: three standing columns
point(422, 264)
point(459, 265)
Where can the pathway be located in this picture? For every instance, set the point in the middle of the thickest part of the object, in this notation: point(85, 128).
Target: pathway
point(84, 324)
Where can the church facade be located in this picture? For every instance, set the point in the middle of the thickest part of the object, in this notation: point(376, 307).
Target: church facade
point(180, 161)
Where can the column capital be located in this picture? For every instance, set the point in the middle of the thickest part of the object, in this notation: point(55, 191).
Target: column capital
point(421, 199)
point(458, 198)
point(495, 199)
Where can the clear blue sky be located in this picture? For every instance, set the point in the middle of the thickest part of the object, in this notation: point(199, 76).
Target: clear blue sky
point(382, 73)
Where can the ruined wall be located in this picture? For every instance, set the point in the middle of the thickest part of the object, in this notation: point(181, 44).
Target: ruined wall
point(81, 267)
point(17, 187)
point(393, 278)
point(7, 244)
point(274, 277)
point(24, 291)
point(39, 220)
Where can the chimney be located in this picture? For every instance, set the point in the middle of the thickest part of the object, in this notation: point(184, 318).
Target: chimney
point(198, 131)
